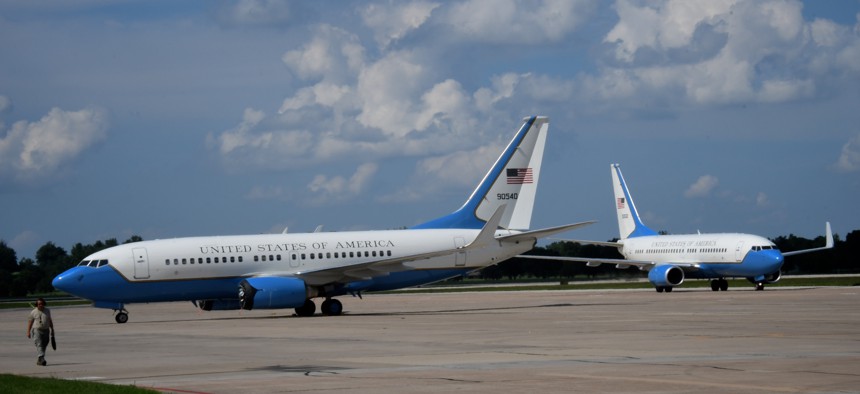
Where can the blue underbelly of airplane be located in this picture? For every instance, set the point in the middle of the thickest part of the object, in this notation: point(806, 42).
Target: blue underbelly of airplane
point(754, 264)
point(106, 287)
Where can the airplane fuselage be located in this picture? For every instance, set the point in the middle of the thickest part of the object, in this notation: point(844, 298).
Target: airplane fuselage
point(200, 268)
point(715, 255)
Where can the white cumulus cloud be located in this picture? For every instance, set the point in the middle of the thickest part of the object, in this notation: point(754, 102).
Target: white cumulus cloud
point(516, 21)
point(849, 159)
point(761, 199)
point(339, 187)
point(392, 22)
point(5, 103)
point(702, 187)
point(255, 13)
point(37, 149)
point(722, 51)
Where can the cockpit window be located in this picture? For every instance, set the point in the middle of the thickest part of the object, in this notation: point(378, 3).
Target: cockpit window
point(92, 263)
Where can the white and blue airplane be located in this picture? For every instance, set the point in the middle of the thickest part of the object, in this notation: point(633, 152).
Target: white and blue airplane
point(273, 271)
point(669, 259)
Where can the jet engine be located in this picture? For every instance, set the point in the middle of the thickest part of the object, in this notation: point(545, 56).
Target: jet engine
point(768, 279)
point(773, 278)
point(272, 293)
point(666, 275)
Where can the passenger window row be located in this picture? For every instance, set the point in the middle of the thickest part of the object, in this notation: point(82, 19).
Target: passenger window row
point(207, 260)
point(705, 250)
point(339, 255)
point(273, 257)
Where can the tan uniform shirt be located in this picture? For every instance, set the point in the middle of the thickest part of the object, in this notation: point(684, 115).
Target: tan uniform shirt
point(41, 319)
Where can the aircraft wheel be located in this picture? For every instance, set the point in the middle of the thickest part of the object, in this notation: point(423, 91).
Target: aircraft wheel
point(307, 309)
point(121, 317)
point(715, 285)
point(724, 285)
point(668, 289)
point(659, 289)
point(331, 307)
point(759, 286)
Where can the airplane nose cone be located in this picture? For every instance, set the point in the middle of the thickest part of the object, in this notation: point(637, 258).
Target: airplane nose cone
point(780, 258)
point(68, 281)
point(774, 258)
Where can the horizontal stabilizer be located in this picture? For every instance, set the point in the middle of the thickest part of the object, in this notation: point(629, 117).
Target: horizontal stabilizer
point(541, 233)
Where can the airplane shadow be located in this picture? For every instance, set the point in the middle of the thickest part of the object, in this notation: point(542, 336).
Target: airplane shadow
point(348, 314)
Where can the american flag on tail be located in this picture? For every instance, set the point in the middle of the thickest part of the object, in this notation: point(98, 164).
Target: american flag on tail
point(519, 176)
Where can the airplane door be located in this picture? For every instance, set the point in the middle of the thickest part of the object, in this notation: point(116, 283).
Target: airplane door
point(141, 263)
point(459, 257)
point(294, 260)
point(739, 251)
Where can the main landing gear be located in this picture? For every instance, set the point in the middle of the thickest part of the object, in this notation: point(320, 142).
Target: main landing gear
point(661, 289)
point(329, 307)
point(719, 284)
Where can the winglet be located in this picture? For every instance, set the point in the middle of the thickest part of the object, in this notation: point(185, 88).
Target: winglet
point(828, 243)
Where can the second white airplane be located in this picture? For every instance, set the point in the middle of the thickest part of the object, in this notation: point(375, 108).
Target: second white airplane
point(669, 259)
point(273, 271)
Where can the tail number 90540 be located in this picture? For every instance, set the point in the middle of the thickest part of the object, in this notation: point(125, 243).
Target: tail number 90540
point(507, 196)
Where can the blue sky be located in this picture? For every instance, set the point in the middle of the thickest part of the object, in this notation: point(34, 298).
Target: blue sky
point(167, 119)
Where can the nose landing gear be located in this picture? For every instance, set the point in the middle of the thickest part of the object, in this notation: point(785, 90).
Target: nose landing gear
point(121, 315)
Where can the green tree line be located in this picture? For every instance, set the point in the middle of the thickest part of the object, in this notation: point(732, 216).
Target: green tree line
point(18, 278)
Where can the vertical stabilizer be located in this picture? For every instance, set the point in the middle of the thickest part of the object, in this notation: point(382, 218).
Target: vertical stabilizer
point(629, 224)
point(511, 181)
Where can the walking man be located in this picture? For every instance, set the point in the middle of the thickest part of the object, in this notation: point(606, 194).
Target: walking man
point(39, 326)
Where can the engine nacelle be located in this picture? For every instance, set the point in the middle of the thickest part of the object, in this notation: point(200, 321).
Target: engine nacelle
point(218, 305)
point(767, 279)
point(773, 278)
point(666, 275)
point(272, 293)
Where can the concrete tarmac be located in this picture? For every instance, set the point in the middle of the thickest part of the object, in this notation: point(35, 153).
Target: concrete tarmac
point(628, 341)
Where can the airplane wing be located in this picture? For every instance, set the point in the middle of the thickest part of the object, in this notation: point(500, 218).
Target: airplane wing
point(594, 262)
point(535, 234)
point(827, 244)
point(582, 241)
point(644, 265)
point(382, 267)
